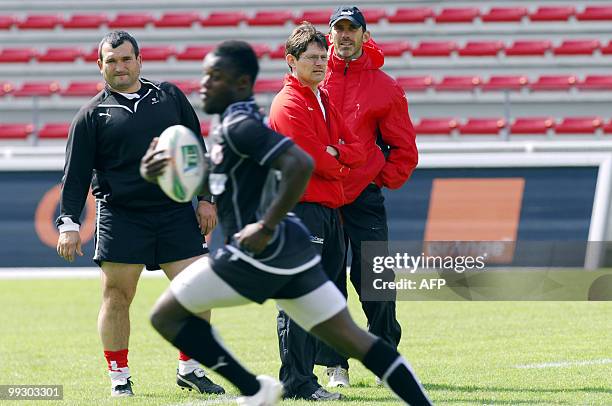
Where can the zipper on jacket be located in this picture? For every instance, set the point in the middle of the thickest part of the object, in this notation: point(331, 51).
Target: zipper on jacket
point(346, 68)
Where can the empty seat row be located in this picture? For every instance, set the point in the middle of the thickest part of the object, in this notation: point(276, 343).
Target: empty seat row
point(584, 47)
point(422, 83)
point(520, 126)
point(282, 17)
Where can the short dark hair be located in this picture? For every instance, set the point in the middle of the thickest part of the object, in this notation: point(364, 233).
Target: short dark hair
point(116, 38)
point(301, 37)
point(241, 57)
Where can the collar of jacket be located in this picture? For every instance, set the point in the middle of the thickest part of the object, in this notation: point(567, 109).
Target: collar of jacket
point(295, 83)
point(372, 58)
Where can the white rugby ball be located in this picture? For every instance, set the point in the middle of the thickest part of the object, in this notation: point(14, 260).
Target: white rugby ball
point(182, 178)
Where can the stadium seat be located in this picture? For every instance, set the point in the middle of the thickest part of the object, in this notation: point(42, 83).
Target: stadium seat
point(5, 88)
point(131, 20)
point(442, 126)
point(60, 55)
point(194, 52)
point(457, 15)
point(223, 19)
point(577, 47)
point(458, 83)
point(532, 125)
point(17, 55)
point(596, 82)
point(373, 15)
point(561, 13)
point(595, 13)
point(504, 15)
point(607, 49)
point(482, 126)
point(177, 20)
point(82, 88)
point(187, 86)
point(268, 85)
point(506, 82)
point(157, 53)
point(260, 49)
point(528, 48)
point(270, 17)
point(54, 130)
point(7, 21)
point(481, 48)
point(579, 125)
point(15, 130)
point(607, 128)
point(204, 128)
point(40, 22)
point(434, 48)
point(85, 21)
point(554, 82)
point(278, 52)
point(91, 56)
point(415, 83)
point(38, 88)
point(314, 16)
point(394, 48)
point(411, 15)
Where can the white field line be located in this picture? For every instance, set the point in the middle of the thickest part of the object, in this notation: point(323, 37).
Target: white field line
point(564, 364)
point(61, 273)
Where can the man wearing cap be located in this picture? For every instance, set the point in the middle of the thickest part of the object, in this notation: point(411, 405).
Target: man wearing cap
point(375, 108)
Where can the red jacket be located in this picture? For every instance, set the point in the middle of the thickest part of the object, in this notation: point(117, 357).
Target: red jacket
point(296, 113)
point(372, 103)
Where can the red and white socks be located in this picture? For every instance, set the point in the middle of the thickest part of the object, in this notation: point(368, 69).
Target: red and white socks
point(187, 365)
point(118, 369)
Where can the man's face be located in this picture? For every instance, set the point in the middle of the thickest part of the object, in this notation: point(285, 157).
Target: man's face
point(310, 67)
point(348, 39)
point(218, 85)
point(120, 67)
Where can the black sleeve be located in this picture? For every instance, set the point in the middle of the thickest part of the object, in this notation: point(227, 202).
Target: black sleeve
point(250, 137)
point(80, 157)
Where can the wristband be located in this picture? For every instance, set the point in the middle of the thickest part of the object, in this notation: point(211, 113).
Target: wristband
point(210, 199)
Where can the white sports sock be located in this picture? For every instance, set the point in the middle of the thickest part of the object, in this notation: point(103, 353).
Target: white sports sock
point(187, 367)
point(119, 376)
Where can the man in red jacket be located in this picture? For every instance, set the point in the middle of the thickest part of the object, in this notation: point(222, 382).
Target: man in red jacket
point(374, 106)
point(303, 112)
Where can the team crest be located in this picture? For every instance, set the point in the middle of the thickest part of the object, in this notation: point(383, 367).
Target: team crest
point(216, 154)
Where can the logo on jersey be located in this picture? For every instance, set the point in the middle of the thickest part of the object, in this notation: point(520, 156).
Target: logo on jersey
point(154, 100)
point(216, 154)
point(216, 183)
point(103, 114)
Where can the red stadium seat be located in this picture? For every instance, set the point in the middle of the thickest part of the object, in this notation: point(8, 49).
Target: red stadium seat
point(579, 125)
point(411, 15)
point(481, 48)
point(607, 128)
point(506, 82)
point(91, 56)
point(83, 89)
point(54, 130)
point(17, 55)
point(442, 126)
point(562, 13)
point(187, 86)
point(554, 82)
point(223, 19)
point(458, 83)
point(504, 15)
point(194, 52)
point(532, 125)
point(278, 52)
point(373, 15)
point(60, 55)
point(394, 48)
point(528, 48)
point(595, 13)
point(607, 49)
point(204, 128)
point(270, 17)
point(577, 47)
point(178, 20)
point(15, 130)
point(268, 85)
point(434, 48)
point(157, 53)
point(457, 15)
point(260, 49)
point(483, 126)
point(85, 21)
point(7, 21)
point(131, 20)
point(40, 22)
point(596, 82)
point(39, 88)
point(314, 16)
point(415, 83)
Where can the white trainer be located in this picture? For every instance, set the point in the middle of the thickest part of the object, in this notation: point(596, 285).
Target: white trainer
point(338, 377)
point(269, 394)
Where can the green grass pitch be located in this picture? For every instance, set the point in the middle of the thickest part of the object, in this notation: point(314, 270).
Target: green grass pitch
point(466, 353)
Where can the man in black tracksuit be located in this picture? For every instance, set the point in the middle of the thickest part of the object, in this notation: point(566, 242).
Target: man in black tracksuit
point(136, 224)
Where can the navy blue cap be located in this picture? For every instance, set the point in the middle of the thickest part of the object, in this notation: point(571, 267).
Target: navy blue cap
point(351, 13)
